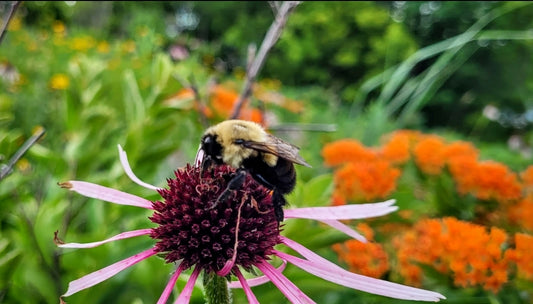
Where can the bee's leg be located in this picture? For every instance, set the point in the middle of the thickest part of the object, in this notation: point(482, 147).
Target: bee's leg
point(262, 180)
point(234, 184)
point(256, 207)
point(205, 163)
point(278, 200)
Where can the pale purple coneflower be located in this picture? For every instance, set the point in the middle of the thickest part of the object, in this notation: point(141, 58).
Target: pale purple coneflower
point(237, 234)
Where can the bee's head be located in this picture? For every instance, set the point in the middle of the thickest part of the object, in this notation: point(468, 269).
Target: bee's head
point(224, 142)
point(211, 147)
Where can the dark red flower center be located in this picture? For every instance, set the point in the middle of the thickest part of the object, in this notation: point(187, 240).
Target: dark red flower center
point(191, 231)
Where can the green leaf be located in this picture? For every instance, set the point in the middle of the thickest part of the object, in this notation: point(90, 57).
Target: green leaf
point(161, 71)
point(133, 101)
point(88, 94)
point(315, 192)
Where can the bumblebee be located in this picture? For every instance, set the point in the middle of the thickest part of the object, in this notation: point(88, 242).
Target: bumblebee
point(247, 147)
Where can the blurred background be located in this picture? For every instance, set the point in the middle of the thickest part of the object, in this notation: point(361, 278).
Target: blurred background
point(427, 102)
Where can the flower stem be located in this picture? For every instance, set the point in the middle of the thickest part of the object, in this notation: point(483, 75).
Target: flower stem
point(216, 289)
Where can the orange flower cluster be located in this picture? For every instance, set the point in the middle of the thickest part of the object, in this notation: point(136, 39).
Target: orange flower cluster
point(460, 149)
point(362, 175)
point(223, 100)
point(368, 259)
point(345, 151)
point(366, 180)
point(486, 180)
point(432, 154)
point(397, 147)
point(471, 253)
point(268, 92)
point(186, 99)
point(527, 179)
point(221, 104)
point(521, 213)
point(522, 255)
point(495, 180)
point(429, 154)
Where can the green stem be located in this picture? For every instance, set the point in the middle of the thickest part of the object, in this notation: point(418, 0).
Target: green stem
point(216, 289)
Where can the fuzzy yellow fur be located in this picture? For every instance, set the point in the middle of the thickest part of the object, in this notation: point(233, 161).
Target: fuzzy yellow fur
point(230, 130)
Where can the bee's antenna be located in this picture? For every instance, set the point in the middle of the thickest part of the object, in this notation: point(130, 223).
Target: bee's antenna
point(200, 155)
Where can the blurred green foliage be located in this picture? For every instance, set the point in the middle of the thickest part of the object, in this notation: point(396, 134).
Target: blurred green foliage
point(364, 39)
point(494, 75)
point(98, 74)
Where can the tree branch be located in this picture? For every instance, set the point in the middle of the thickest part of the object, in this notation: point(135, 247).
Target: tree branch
point(274, 5)
point(7, 19)
point(271, 37)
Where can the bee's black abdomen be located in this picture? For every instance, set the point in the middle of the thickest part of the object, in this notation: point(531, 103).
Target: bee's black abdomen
point(286, 176)
point(281, 177)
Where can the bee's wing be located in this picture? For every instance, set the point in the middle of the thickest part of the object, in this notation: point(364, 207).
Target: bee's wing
point(278, 147)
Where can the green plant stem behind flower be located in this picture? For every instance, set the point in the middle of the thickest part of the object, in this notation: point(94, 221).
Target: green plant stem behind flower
point(216, 289)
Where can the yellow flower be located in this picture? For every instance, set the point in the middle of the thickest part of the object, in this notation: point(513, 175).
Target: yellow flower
point(82, 44)
point(58, 27)
point(32, 46)
point(142, 31)
point(103, 47)
point(24, 166)
point(59, 82)
point(15, 24)
point(128, 46)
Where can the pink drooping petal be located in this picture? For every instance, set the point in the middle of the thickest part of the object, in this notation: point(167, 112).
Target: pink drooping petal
point(345, 212)
point(293, 293)
point(185, 295)
point(105, 273)
point(106, 194)
point(123, 235)
point(228, 266)
point(170, 285)
point(343, 228)
point(306, 253)
point(256, 281)
point(126, 165)
point(247, 291)
point(327, 270)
